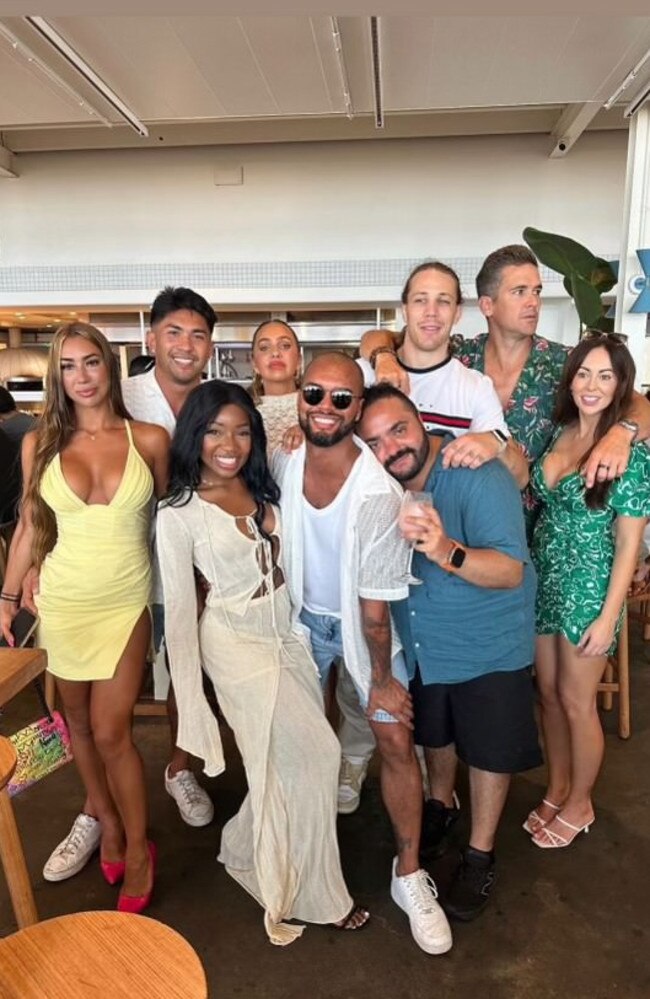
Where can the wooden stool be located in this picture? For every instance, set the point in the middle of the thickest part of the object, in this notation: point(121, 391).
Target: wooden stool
point(616, 680)
point(11, 850)
point(100, 954)
point(642, 602)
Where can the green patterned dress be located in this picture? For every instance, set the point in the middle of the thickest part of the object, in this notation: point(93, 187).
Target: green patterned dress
point(573, 546)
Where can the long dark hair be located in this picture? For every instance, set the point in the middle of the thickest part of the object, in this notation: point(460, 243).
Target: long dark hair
point(201, 408)
point(566, 410)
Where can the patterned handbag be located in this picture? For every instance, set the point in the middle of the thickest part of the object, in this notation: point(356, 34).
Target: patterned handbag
point(41, 747)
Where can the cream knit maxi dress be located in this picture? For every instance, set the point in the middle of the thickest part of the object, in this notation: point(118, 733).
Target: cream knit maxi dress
point(281, 846)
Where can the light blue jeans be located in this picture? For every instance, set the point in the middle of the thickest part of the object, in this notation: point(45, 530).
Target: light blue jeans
point(327, 645)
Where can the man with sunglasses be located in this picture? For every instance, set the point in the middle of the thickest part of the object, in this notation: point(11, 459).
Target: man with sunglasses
point(345, 560)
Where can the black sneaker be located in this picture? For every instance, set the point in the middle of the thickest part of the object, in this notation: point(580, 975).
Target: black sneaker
point(437, 821)
point(470, 888)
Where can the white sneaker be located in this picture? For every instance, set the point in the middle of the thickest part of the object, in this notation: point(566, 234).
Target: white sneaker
point(351, 777)
point(416, 894)
point(193, 803)
point(73, 853)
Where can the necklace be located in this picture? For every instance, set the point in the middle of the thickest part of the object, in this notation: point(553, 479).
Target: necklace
point(92, 436)
point(207, 483)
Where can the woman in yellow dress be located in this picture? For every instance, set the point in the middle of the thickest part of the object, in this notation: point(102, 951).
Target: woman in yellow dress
point(89, 474)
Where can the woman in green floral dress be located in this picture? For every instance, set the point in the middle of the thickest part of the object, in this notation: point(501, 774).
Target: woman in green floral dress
point(585, 549)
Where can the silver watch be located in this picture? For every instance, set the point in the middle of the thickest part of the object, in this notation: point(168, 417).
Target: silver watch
point(632, 427)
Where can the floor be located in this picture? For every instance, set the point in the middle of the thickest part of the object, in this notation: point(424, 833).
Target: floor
point(568, 923)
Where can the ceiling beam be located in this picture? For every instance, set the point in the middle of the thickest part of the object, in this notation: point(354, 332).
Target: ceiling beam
point(59, 44)
point(570, 125)
point(8, 168)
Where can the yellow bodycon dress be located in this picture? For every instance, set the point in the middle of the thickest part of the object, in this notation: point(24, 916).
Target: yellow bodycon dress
point(95, 582)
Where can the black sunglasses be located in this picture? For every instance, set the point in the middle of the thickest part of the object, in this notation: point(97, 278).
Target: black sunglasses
point(341, 398)
point(619, 338)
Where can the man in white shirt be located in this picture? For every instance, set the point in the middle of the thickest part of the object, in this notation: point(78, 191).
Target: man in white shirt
point(180, 339)
point(345, 560)
point(450, 397)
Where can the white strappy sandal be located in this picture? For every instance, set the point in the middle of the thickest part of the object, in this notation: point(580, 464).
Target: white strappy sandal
point(548, 839)
point(535, 822)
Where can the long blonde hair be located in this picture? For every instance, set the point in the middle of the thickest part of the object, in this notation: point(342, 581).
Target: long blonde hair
point(257, 385)
point(57, 424)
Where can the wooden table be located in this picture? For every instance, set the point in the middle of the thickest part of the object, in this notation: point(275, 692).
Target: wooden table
point(17, 668)
point(100, 954)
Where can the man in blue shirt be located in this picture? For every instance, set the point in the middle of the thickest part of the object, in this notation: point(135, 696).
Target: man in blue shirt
point(467, 629)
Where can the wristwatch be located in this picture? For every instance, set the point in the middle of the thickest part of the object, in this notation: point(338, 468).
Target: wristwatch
point(502, 439)
point(380, 350)
point(455, 556)
point(631, 426)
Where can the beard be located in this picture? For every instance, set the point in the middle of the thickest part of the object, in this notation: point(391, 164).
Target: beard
point(419, 459)
point(320, 438)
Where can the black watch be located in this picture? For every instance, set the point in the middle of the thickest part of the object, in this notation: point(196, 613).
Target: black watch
point(456, 556)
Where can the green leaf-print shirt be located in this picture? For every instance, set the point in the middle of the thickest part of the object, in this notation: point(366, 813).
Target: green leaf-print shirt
point(529, 413)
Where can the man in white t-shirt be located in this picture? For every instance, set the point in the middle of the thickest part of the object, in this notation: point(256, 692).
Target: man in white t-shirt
point(180, 339)
point(450, 397)
point(345, 560)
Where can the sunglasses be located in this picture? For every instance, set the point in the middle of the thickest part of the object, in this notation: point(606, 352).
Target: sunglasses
point(341, 398)
point(619, 338)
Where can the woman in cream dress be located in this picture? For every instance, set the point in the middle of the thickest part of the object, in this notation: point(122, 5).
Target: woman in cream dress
point(89, 473)
point(220, 518)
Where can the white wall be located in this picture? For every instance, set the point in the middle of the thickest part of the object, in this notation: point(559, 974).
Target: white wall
point(109, 226)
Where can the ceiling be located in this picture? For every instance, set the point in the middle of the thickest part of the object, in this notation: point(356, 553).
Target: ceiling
point(202, 80)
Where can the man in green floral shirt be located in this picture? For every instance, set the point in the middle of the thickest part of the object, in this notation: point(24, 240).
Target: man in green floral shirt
point(526, 369)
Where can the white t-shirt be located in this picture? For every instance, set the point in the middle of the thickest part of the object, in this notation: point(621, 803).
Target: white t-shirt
point(451, 398)
point(323, 534)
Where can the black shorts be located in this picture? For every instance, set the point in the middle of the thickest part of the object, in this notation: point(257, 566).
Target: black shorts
point(490, 719)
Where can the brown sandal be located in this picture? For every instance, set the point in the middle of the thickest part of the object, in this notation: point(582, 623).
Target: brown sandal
point(350, 923)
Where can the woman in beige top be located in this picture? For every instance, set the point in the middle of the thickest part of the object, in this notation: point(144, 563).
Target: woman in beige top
point(277, 365)
point(221, 518)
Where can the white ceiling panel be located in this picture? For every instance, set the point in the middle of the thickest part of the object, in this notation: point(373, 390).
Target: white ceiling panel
point(187, 72)
point(212, 67)
point(508, 61)
point(30, 97)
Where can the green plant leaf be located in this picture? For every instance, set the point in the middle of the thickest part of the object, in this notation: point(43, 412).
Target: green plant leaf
point(603, 277)
point(587, 299)
point(560, 253)
point(605, 324)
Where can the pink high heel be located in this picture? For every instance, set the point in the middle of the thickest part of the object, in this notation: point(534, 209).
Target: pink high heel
point(138, 903)
point(113, 870)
